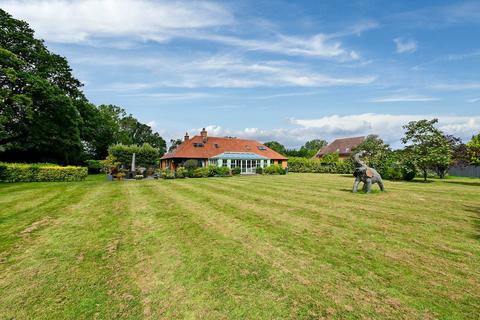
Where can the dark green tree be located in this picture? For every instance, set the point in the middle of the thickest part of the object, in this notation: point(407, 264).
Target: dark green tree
point(134, 132)
point(44, 115)
point(174, 143)
point(276, 146)
point(315, 144)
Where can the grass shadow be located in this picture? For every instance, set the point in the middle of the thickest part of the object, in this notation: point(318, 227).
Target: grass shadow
point(465, 183)
point(360, 191)
point(421, 181)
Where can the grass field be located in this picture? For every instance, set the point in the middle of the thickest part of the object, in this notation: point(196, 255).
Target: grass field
point(261, 247)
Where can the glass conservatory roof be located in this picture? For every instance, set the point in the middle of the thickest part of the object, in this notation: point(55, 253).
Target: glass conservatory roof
point(239, 156)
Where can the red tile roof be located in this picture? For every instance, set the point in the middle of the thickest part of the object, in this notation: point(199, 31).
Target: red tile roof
point(216, 145)
point(342, 146)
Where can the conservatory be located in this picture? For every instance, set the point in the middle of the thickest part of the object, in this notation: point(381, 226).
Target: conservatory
point(246, 161)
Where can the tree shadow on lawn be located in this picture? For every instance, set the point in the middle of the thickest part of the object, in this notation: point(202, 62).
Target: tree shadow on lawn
point(476, 219)
point(465, 183)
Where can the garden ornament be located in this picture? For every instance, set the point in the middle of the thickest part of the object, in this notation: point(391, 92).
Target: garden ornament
point(365, 174)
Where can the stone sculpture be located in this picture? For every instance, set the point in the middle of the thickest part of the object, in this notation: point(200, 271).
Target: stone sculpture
point(365, 174)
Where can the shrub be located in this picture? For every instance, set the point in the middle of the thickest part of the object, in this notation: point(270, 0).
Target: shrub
point(274, 169)
point(212, 170)
point(330, 158)
point(259, 170)
point(23, 172)
point(94, 166)
point(392, 173)
point(408, 174)
point(181, 173)
point(201, 173)
point(223, 172)
point(236, 171)
point(138, 177)
point(191, 165)
point(168, 174)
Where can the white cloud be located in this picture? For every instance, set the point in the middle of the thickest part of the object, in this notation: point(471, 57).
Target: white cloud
point(405, 45)
point(152, 124)
point(387, 126)
point(79, 21)
point(117, 23)
point(319, 45)
point(225, 71)
point(403, 98)
point(474, 100)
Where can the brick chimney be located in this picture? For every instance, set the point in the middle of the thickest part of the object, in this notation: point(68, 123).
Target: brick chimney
point(203, 133)
point(186, 138)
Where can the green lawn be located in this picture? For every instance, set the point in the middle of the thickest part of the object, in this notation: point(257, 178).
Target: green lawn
point(260, 247)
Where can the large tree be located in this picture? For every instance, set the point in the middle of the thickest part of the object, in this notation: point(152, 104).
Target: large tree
point(39, 119)
point(428, 145)
point(44, 115)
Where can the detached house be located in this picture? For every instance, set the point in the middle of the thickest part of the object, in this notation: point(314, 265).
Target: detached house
point(343, 147)
point(228, 152)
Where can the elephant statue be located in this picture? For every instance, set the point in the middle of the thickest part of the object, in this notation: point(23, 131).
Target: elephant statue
point(365, 174)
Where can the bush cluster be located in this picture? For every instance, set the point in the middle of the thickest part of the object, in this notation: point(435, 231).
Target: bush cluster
point(202, 172)
point(23, 172)
point(274, 169)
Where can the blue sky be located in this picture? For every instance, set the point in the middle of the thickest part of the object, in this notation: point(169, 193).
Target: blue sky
point(283, 70)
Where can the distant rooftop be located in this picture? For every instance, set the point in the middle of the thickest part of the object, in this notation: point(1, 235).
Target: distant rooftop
point(342, 146)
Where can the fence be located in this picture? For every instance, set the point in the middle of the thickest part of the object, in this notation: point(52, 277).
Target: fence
point(465, 171)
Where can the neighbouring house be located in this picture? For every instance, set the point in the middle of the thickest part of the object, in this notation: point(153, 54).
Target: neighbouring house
point(342, 146)
point(229, 152)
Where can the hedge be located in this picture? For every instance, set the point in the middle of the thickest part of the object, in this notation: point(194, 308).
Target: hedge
point(23, 172)
point(317, 166)
point(144, 155)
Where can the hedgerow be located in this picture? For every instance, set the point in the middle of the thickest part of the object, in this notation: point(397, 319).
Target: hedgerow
point(317, 166)
point(23, 172)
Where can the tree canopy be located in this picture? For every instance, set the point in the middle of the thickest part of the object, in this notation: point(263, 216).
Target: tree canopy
point(44, 115)
point(276, 146)
point(427, 145)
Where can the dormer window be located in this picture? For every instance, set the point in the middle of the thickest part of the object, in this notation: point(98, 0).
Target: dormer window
point(262, 148)
point(216, 145)
point(198, 145)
